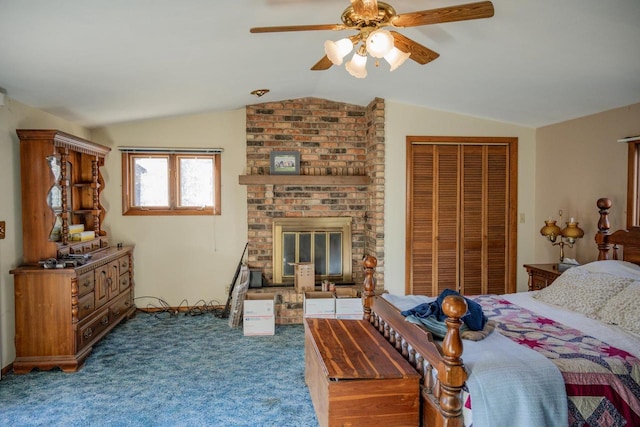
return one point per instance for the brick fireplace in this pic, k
(342, 157)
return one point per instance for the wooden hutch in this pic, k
(73, 287)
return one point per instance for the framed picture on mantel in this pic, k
(285, 163)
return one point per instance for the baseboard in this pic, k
(7, 369)
(178, 310)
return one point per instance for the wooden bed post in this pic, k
(369, 287)
(454, 375)
(604, 246)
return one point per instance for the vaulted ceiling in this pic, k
(98, 62)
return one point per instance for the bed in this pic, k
(550, 364)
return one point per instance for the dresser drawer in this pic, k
(80, 248)
(125, 281)
(86, 304)
(120, 306)
(124, 264)
(86, 283)
(95, 245)
(92, 330)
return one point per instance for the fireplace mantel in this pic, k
(304, 180)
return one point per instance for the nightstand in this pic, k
(541, 275)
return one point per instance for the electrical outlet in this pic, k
(2, 229)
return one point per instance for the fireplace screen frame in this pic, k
(312, 225)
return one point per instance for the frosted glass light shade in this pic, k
(396, 58)
(379, 43)
(336, 51)
(357, 67)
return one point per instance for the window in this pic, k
(633, 183)
(157, 182)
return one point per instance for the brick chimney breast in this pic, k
(332, 138)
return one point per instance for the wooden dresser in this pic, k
(62, 313)
(356, 378)
(87, 288)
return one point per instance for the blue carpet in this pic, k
(170, 371)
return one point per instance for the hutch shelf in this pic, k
(63, 310)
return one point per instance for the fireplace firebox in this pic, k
(323, 241)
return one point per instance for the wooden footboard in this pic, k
(441, 400)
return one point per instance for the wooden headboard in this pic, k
(609, 243)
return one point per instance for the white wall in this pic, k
(579, 161)
(403, 120)
(181, 259)
(193, 258)
(14, 115)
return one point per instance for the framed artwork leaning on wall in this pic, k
(285, 163)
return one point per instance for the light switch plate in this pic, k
(2, 229)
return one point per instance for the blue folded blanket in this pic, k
(474, 318)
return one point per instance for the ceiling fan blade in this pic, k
(368, 9)
(297, 28)
(462, 12)
(324, 64)
(419, 53)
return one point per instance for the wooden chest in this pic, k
(356, 378)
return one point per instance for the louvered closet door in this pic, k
(460, 220)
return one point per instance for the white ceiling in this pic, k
(98, 62)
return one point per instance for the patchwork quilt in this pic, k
(602, 382)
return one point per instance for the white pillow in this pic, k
(618, 268)
(622, 309)
(582, 291)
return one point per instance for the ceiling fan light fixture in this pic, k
(396, 58)
(379, 43)
(357, 67)
(336, 51)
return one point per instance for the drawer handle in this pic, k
(109, 281)
(125, 265)
(87, 306)
(87, 333)
(105, 320)
(86, 284)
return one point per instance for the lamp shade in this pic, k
(572, 232)
(396, 57)
(336, 51)
(551, 230)
(379, 43)
(357, 66)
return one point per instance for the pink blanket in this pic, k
(602, 382)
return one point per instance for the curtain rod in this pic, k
(630, 139)
(170, 150)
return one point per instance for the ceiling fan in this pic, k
(370, 18)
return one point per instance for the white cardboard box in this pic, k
(258, 314)
(349, 308)
(319, 304)
(348, 304)
(259, 325)
(259, 304)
